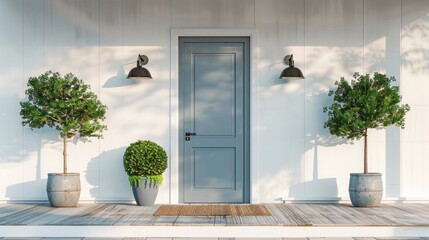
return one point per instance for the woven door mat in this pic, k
(213, 210)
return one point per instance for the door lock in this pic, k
(188, 136)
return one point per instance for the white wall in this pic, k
(297, 159)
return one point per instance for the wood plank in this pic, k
(67, 215)
(388, 215)
(145, 216)
(408, 218)
(83, 218)
(195, 220)
(377, 216)
(336, 238)
(137, 215)
(159, 238)
(314, 217)
(419, 212)
(280, 216)
(58, 214)
(242, 220)
(337, 216)
(263, 220)
(220, 221)
(22, 217)
(164, 220)
(295, 238)
(300, 219)
(109, 215)
(8, 209)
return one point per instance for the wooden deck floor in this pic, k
(282, 215)
(118, 221)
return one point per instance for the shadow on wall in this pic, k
(317, 136)
(120, 80)
(109, 166)
(37, 187)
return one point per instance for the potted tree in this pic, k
(368, 102)
(66, 104)
(145, 162)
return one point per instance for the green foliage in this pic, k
(64, 103)
(368, 102)
(145, 159)
(152, 181)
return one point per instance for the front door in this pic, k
(214, 120)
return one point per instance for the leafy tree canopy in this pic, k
(368, 102)
(64, 103)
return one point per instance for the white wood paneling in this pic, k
(11, 16)
(147, 101)
(333, 49)
(414, 87)
(86, 152)
(295, 156)
(415, 51)
(415, 153)
(58, 56)
(281, 103)
(334, 15)
(113, 180)
(33, 182)
(213, 14)
(382, 54)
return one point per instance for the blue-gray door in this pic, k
(214, 119)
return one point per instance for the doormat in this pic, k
(213, 210)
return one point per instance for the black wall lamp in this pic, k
(139, 72)
(291, 72)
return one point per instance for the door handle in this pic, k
(188, 134)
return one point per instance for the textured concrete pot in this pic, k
(145, 195)
(63, 189)
(366, 190)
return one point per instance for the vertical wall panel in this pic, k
(33, 182)
(113, 180)
(11, 92)
(280, 26)
(85, 154)
(213, 14)
(147, 99)
(415, 86)
(333, 49)
(298, 159)
(382, 54)
(59, 56)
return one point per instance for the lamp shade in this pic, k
(139, 73)
(291, 73)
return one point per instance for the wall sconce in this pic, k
(139, 72)
(291, 72)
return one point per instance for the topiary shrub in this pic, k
(368, 102)
(64, 103)
(145, 159)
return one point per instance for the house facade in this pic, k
(286, 153)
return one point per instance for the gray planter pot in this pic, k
(63, 189)
(145, 195)
(366, 190)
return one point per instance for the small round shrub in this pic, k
(145, 159)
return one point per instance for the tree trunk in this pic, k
(365, 159)
(65, 154)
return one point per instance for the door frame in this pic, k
(174, 172)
